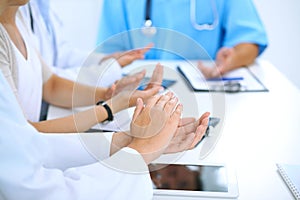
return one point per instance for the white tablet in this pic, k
(194, 180)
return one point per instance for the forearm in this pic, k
(78, 122)
(244, 55)
(65, 93)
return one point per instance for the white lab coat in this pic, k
(60, 54)
(60, 166)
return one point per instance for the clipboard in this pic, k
(248, 83)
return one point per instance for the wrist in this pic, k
(144, 155)
(148, 154)
(116, 103)
(119, 141)
(104, 112)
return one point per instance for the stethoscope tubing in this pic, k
(205, 26)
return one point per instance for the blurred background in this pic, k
(281, 20)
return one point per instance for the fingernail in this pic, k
(173, 100)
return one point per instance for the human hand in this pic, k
(151, 118)
(128, 96)
(129, 82)
(152, 137)
(127, 57)
(188, 134)
(222, 63)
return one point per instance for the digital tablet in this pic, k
(194, 180)
(166, 83)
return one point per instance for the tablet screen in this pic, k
(189, 177)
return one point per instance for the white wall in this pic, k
(281, 19)
(282, 22)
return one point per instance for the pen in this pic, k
(226, 79)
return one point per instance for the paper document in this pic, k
(239, 80)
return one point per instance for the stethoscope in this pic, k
(229, 87)
(148, 29)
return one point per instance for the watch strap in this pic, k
(110, 116)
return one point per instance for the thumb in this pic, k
(138, 109)
(110, 91)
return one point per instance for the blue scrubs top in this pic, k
(238, 23)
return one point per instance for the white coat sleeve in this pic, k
(23, 171)
(71, 150)
(22, 151)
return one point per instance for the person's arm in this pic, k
(126, 97)
(65, 93)
(229, 59)
(238, 50)
(60, 92)
(241, 55)
(24, 168)
(119, 141)
(8, 70)
(78, 122)
(81, 149)
(100, 180)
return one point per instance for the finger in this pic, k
(151, 100)
(157, 76)
(199, 135)
(200, 65)
(141, 74)
(175, 117)
(110, 91)
(188, 141)
(131, 82)
(143, 50)
(189, 128)
(138, 109)
(170, 105)
(147, 48)
(146, 94)
(136, 77)
(203, 69)
(205, 121)
(164, 99)
(186, 120)
(204, 115)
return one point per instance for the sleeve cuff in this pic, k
(111, 73)
(127, 160)
(97, 144)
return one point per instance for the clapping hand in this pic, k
(153, 135)
(127, 57)
(188, 134)
(124, 93)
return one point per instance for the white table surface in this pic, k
(259, 130)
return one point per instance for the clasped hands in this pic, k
(157, 127)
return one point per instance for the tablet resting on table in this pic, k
(194, 180)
